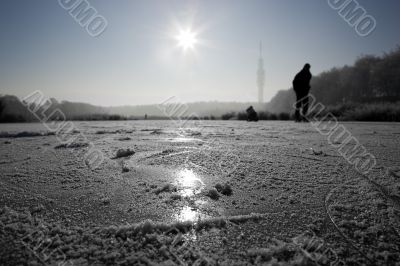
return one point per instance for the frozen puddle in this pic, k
(189, 184)
(158, 193)
(190, 187)
(190, 214)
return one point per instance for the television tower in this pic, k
(260, 77)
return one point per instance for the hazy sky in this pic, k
(137, 61)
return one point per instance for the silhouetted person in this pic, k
(252, 115)
(301, 86)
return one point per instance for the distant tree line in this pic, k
(368, 91)
(15, 111)
(12, 110)
(372, 79)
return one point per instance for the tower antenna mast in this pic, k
(260, 76)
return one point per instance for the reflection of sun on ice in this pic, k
(189, 185)
(187, 214)
(187, 177)
(186, 39)
(190, 182)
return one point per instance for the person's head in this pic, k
(307, 66)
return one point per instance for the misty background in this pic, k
(136, 63)
(136, 60)
(368, 90)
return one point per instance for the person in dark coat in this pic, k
(252, 115)
(301, 86)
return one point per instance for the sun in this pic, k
(186, 39)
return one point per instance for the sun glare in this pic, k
(190, 183)
(186, 39)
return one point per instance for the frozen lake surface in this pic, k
(266, 180)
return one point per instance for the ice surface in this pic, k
(271, 178)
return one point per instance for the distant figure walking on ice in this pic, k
(301, 86)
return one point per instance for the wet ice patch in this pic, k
(189, 182)
(190, 214)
